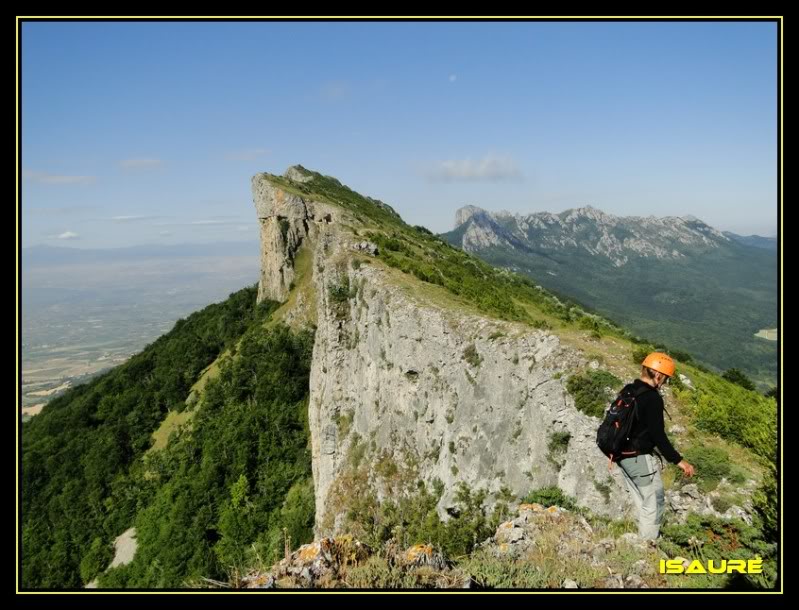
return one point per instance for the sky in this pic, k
(139, 133)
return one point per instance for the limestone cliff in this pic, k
(410, 375)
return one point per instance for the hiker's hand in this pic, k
(687, 469)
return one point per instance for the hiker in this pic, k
(641, 469)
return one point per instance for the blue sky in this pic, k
(139, 133)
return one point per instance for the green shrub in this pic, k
(559, 442)
(550, 496)
(471, 356)
(711, 463)
(588, 391)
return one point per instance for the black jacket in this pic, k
(648, 431)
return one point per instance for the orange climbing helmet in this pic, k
(660, 362)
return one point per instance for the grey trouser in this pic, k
(642, 473)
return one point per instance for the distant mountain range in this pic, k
(674, 280)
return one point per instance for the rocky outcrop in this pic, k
(688, 500)
(465, 213)
(286, 220)
(469, 399)
(539, 547)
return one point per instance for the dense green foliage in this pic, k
(196, 504)
(76, 454)
(226, 490)
(734, 413)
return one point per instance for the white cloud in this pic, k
(490, 168)
(140, 163)
(45, 178)
(66, 235)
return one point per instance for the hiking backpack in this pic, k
(613, 436)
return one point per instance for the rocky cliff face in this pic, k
(286, 220)
(469, 399)
(408, 375)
